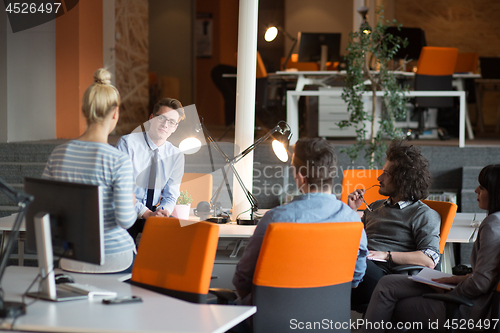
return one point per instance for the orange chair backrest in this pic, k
(176, 257)
(437, 60)
(354, 179)
(300, 66)
(261, 69)
(447, 211)
(467, 62)
(198, 185)
(307, 255)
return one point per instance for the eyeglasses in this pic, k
(170, 122)
(363, 197)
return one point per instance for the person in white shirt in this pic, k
(158, 165)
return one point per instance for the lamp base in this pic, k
(247, 221)
(218, 219)
(12, 309)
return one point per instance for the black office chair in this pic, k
(227, 87)
(434, 72)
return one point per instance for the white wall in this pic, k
(171, 48)
(28, 107)
(3, 76)
(318, 16)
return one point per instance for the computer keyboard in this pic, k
(86, 289)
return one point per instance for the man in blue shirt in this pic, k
(314, 165)
(157, 164)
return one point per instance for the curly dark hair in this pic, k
(315, 159)
(489, 178)
(409, 172)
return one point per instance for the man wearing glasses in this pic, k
(401, 230)
(158, 165)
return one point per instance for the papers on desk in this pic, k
(426, 275)
(86, 289)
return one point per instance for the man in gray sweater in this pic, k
(401, 230)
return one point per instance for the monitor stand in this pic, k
(324, 57)
(48, 289)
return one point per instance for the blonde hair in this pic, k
(100, 98)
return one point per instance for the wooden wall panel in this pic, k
(132, 65)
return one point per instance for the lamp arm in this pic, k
(289, 53)
(23, 201)
(214, 143)
(250, 197)
(216, 195)
(277, 128)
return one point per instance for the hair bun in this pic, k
(102, 76)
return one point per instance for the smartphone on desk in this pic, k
(122, 300)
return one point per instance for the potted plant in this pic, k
(372, 48)
(183, 205)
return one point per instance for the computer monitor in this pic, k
(65, 219)
(310, 44)
(416, 40)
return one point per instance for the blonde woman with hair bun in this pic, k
(89, 159)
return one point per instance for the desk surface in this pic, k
(343, 73)
(157, 313)
(461, 231)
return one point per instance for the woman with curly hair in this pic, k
(401, 230)
(396, 299)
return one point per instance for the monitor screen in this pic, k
(76, 218)
(310, 46)
(416, 40)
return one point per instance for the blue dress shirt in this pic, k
(306, 208)
(170, 170)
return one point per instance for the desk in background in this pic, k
(292, 107)
(319, 77)
(157, 313)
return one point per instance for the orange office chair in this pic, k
(176, 260)
(435, 69)
(467, 62)
(361, 179)
(304, 272)
(198, 185)
(447, 211)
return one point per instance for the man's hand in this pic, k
(355, 199)
(161, 213)
(377, 255)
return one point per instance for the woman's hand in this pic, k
(455, 279)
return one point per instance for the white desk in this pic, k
(292, 107)
(318, 77)
(157, 313)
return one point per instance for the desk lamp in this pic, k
(280, 148)
(12, 309)
(272, 33)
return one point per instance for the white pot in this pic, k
(181, 211)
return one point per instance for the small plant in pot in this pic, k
(181, 210)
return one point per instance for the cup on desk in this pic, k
(202, 210)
